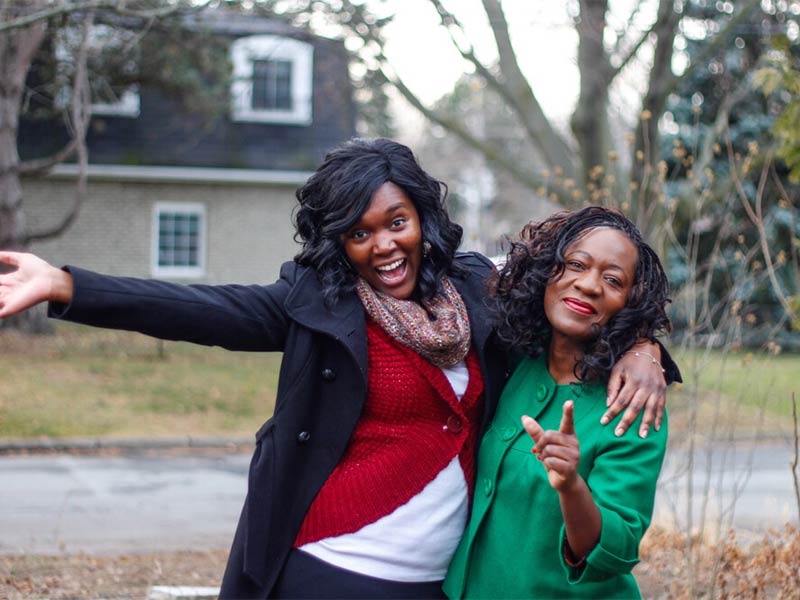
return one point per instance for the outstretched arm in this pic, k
(30, 281)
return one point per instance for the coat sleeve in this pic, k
(623, 481)
(672, 373)
(236, 317)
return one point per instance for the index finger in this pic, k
(568, 418)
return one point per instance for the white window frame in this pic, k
(246, 50)
(128, 104)
(192, 208)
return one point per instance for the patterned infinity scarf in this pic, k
(443, 341)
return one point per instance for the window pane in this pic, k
(283, 85)
(272, 85)
(178, 239)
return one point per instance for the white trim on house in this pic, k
(245, 51)
(128, 105)
(183, 272)
(182, 174)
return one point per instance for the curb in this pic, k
(123, 445)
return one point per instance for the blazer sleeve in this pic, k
(672, 374)
(236, 317)
(623, 481)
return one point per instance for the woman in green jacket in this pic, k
(575, 294)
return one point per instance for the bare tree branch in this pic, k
(547, 140)
(490, 152)
(118, 6)
(79, 120)
(796, 452)
(39, 166)
(757, 219)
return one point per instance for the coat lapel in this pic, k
(344, 321)
(473, 290)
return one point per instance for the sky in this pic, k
(542, 33)
(425, 58)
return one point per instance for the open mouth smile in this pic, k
(393, 271)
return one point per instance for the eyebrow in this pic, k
(583, 253)
(394, 207)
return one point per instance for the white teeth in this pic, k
(390, 266)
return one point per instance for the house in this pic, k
(173, 196)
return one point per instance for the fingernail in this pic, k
(643, 433)
(608, 400)
(619, 431)
(535, 450)
(658, 427)
(604, 420)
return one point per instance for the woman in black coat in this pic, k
(376, 315)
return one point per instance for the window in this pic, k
(272, 80)
(112, 56)
(179, 243)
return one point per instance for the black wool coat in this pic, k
(321, 389)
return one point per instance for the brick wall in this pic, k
(249, 231)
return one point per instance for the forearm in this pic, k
(582, 520)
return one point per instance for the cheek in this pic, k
(616, 305)
(355, 255)
(550, 300)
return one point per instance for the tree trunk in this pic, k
(644, 170)
(589, 122)
(17, 49)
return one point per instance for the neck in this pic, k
(562, 356)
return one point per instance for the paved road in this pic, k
(749, 486)
(56, 503)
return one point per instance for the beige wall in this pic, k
(249, 231)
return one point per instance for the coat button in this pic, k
(487, 487)
(509, 433)
(303, 437)
(454, 424)
(541, 393)
(328, 374)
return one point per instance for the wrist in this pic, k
(653, 358)
(60, 286)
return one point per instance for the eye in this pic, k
(358, 234)
(398, 222)
(614, 281)
(574, 264)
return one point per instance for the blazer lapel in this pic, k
(473, 290)
(344, 321)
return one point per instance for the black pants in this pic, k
(306, 576)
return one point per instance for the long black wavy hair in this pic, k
(335, 197)
(537, 259)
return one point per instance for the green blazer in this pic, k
(512, 547)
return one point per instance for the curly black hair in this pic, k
(538, 259)
(340, 190)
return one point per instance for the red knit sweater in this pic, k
(412, 426)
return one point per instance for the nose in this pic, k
(589, 282)
(384, 243)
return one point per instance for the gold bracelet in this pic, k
(648, 355)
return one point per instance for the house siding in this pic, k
(249, 231)
(165, 134)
